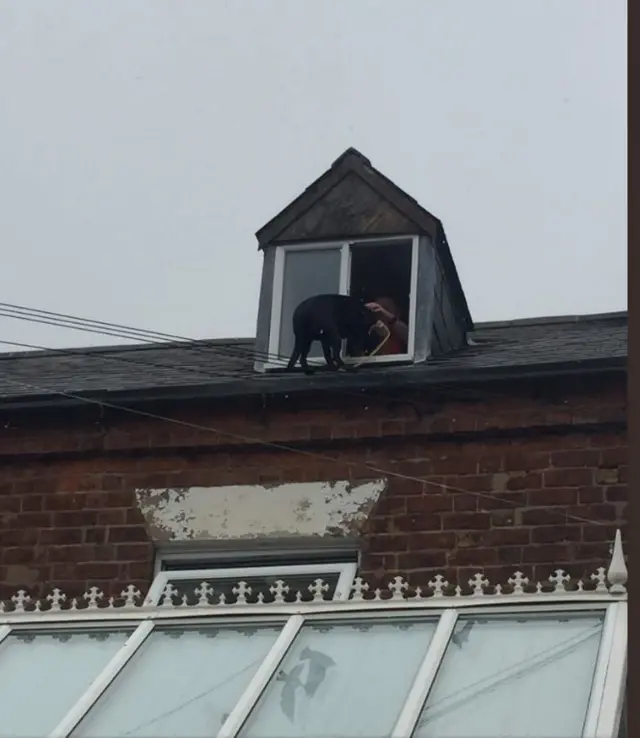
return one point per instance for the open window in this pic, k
(383, 271)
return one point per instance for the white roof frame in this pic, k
(607, 593)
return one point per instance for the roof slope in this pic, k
(225, 366)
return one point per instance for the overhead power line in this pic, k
(117, 330)
(200, 348)
(293, 450)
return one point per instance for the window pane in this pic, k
(260, 585)
(342, 680)
(512, 677)
(182, 682)
(42, 675)
(306, 273)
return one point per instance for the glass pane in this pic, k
(306, 273)
(342, 680)
(513, 677)
(184, 681)
(42, 675)
(260, 585)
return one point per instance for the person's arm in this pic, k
(397, 328)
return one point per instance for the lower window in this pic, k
(252, 584)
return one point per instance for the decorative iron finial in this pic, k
(617, 574)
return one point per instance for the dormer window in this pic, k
(372, 270)
(354, 232)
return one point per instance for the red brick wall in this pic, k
(68, 517)
(538, 488)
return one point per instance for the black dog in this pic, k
(329, 319)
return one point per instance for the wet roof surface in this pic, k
(225, 364)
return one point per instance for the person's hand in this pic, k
(380, 311)
(380, 328)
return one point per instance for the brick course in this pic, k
(491, 484)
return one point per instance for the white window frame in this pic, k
(276, 360)
(346, 574)
(607, 688)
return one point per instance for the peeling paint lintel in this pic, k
(246, 513)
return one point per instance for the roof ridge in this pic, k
(121, 348)
(552, 319)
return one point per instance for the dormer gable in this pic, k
(353, 231)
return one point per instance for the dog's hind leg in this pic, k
(305, 347)
(326, 350)
(295, 354)
(334, 344)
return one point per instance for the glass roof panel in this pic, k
(488, 673)
(514, 676)
(44, 673)
(333, 669)
(183, 681)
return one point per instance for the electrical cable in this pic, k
(100, 355)
(188, 345)
(48, 317)
(290, 449)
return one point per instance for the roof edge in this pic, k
(291, 384)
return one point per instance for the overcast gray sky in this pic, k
(143, 142)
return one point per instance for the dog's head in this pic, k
(360, 319)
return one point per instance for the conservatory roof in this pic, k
(399, 662)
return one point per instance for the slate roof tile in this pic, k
(142, 367)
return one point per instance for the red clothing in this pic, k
(393, 345)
